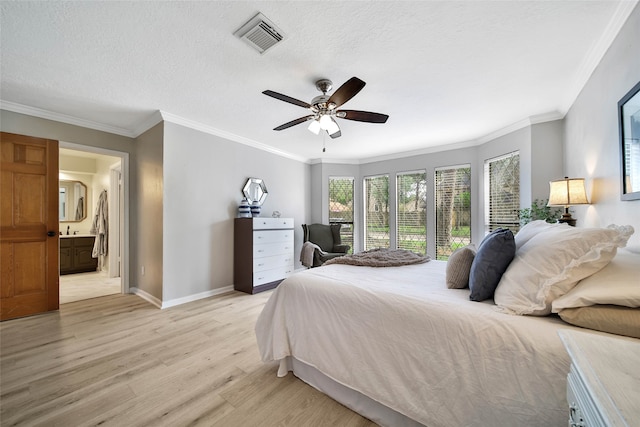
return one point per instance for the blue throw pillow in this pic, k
(492, 259)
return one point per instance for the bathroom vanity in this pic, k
(75, 254)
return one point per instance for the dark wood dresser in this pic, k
(262, 253)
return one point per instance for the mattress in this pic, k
(398, 336)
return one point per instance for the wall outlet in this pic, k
(142, 270)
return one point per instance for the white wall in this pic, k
(592, 146)
(203, 180)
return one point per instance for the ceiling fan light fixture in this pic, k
(325, 121)
(332, 127)
(314, 126)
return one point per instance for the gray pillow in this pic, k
(494, 255)
(459, 266)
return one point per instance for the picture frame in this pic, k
(629, 130)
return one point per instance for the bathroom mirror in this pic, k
(72, 201)
(255, 190)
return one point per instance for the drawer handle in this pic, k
(260, 250)
(573, 408)
(260, 265)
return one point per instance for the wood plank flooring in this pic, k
(119, 361)
(81, 286)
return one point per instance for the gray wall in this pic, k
(537, 144)
(203, 179)
(147, 216)
(592, 146)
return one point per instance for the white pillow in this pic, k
(534, 228)
(551, 263)
(617, 284)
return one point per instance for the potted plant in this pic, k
(539, 210)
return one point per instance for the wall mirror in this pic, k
(629, 116)
(255, 190)
(72, 201)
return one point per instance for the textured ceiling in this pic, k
(444, 71)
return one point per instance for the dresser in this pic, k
(75, 254)
(603, 384)
(263, 253)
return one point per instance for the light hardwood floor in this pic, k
(119, 361)
(80, 286)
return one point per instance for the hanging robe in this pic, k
(100, 226)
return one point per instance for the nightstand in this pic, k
(603, 385)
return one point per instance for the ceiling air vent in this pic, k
(260, 33)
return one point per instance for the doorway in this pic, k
(104, 173)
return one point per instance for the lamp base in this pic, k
(567, 219)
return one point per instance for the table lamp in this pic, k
(567, 192)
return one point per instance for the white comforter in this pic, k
(399, 336)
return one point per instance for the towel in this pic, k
(306, 254)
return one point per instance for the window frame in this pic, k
(365, 210)
(515, 205)
(398, 212)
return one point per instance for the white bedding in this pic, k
(399, 336)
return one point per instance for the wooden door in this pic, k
(28, 226)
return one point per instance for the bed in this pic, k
(399, 347)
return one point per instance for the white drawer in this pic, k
(582, 409)
(269, 249)
(272, 275)
(272, 236)
(272, 223)
(270, 262)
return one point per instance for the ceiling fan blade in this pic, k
(294, 122)
(347, 91)
(286, 98)
(362, 116)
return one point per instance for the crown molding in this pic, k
(529, 121)
(192, 124)
(63, 118)
(148, 123)
(159, 116)
(597, 51)
(155, 118)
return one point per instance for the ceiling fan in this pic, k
(324, 107)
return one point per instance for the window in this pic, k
(502, 192)
(341, 207)
(376, 212)
(453, 209)
(411, 211)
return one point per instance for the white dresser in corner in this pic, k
(603, 385)
(263, 253)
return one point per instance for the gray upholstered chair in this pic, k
(327, 237)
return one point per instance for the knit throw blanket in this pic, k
(381, 258)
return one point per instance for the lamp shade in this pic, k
(567, 192)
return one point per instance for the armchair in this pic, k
(328, 242)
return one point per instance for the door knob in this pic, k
(51, 233)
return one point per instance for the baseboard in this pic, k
(146, 296)
(179, 301)
(195, 297)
